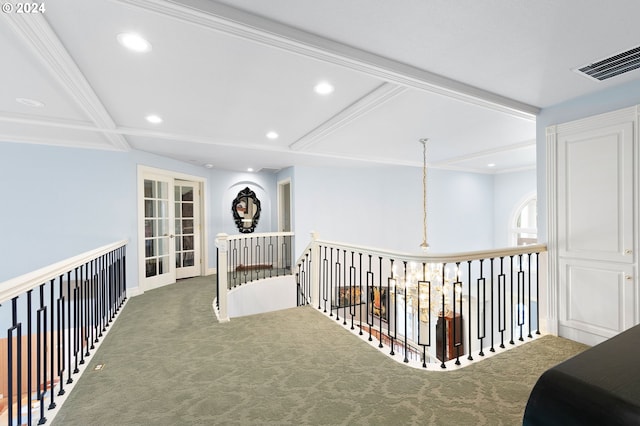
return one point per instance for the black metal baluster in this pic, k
(537, 293)
(325, 278)
(109, 289)
(444, 320)
(87, 306)
(61, 336)
(80, 303)
(268, 259)
(29, 364)
(470, 326)
(457, 330)
(103, 295)
(502, 303)
(529, 293)
(520, 298)
(52, 303)
(482, 325)
(492, 349)
(383, 312)
(336, 295)
(511, 314)
(41, 354)
(421, 288)
(369, 298)
(393, 336)
(232, 258)
(17, 395)
(76, 325)
(330, 295)
(69, 379)
(360, 293)
(94, 303)
(406, 325)
(344, 286)
(352, 291)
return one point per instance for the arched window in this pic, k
(524, 228)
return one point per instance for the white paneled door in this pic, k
(595, 229)
(170, 231)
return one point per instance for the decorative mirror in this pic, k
(246, 211)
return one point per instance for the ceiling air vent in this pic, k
(612, 66)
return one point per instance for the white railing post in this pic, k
(222, 245)
(314, 279)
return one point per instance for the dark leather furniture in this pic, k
(600, 386)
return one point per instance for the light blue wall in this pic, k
(225, 186)
(510, 190)
(60, 202)
(381, 207)
(619, 97)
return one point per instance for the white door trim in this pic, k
(281, 184)
(143, 171)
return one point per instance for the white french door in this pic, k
(170, 233)
(187, 228)
(158, 267)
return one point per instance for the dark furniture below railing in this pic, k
(600, 386)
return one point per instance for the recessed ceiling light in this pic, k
(135, 42)
(323, 88)
(30, 102)
(250, 169)
(154, 119)
(491, 165)
(209, 166)
(272, 135)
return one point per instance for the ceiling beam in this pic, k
(362, 106)
(34, 30)
(229, 20)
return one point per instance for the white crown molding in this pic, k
(488, 152)
(38, 35)
(35, 120)
(66, 143)
(232, 21)
(611, 118)
(362, 106)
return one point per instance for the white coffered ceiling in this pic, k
(468, 75)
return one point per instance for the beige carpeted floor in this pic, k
(167, 361)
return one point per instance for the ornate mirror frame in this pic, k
(246, 211)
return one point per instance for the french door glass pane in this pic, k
(187, 193)
(187, 242)
(149, 208)
(149, 189)
(156, 211)
(187, 209)
(184, 211)
(151, 269)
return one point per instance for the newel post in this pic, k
(222, 246)
(314, 281)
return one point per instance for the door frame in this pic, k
(282, 184)
(553, 135)
(147, 171)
